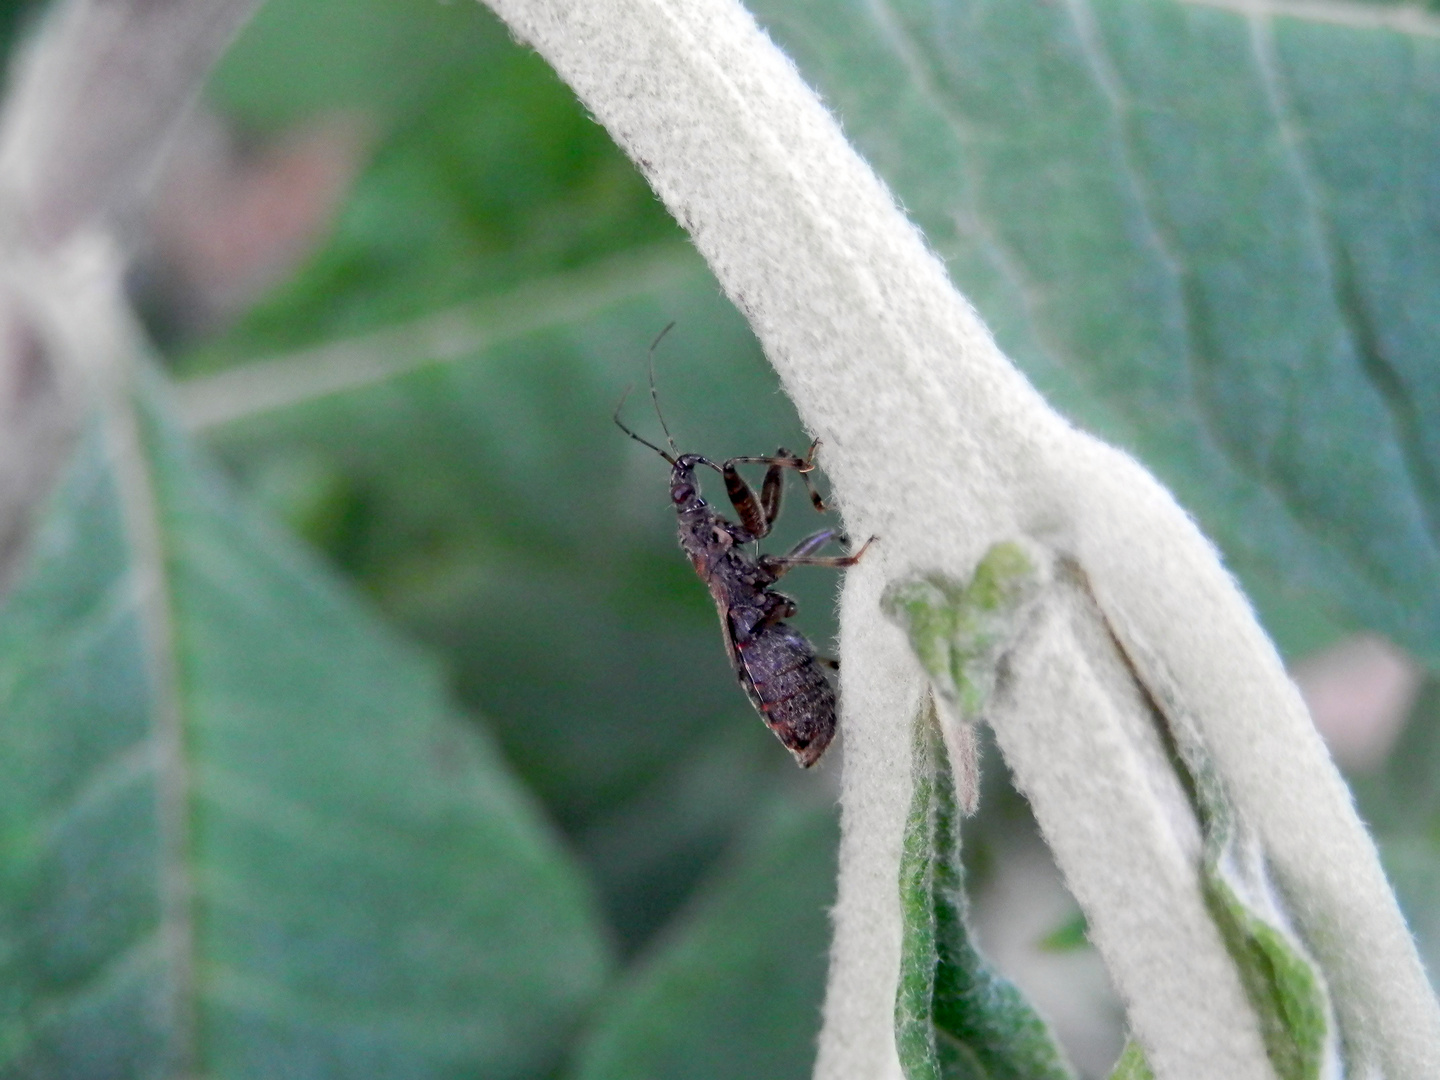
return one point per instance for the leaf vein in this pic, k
(142, 504)
(45, 1011)
(1410, 19)
(105, 780)
(968, 222)
(1423, 495)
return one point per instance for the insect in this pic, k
(774, 662)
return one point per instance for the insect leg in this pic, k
(779, 564)
(814, 543)
(783, 459)
(759, 515)
(751, 508)
(805, 472)
(773, 487)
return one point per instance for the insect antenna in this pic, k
(654, 397)
(637, 438)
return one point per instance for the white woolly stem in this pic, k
(1079, 737)
(937, 445)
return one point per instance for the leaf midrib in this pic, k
(140, 507)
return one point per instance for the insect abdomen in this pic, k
(790, 690)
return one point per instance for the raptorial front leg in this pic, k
(753, 513)
(758, 513)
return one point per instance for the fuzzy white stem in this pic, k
(1079, 736)
(938, 446)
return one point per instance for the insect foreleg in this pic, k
(755, 512)
(805, 472)
(758, 515)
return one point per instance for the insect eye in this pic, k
(682, 494)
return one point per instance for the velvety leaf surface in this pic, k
(960, 634)
(735, 990)
(1211, 238)
(245, 833)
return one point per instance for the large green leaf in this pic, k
(385, 59)
(733, 989)
(1111, 186)
(245, 835)
(1212, 237)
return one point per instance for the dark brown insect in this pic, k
(774, 662)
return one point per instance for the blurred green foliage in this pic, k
(1214, 245)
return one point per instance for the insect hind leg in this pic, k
(800, 554)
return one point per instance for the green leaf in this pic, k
(954, 1017)
(384, 58)
(491, 176)
(960, 632)
(734, 988)
(1283, 983)
(246, 835)
(1208, 235)
(1132, 1064)
(487, 503)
